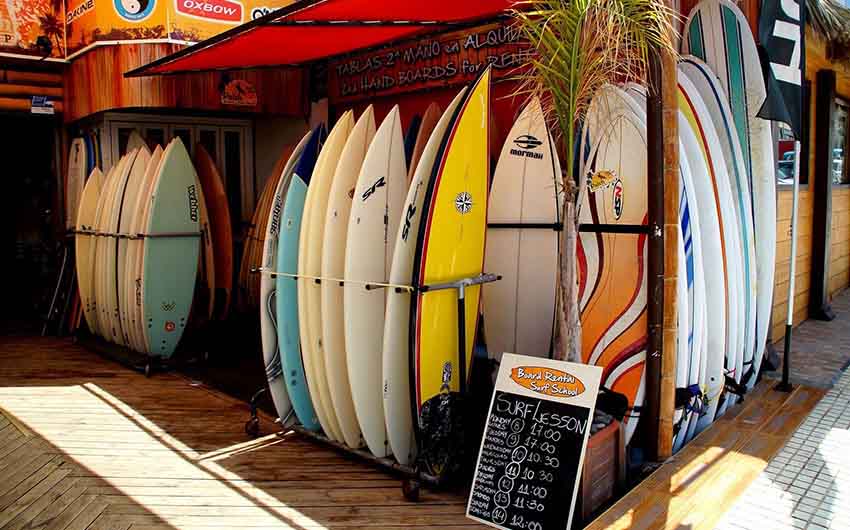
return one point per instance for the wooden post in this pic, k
(821, 185)
(662, 254)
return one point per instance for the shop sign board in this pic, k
(442, 60)
(89, 21)
(42, 105)
(239, 92)
(532, 451)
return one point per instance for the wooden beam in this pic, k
(15, 90)
(30, 78)
(670, 117)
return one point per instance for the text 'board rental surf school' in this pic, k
(346, 212)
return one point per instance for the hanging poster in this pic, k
(534, 443)
(22, 22)
(442, 60)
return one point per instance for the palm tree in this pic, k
(580, 46)
(53, 29)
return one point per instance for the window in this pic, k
(784, 147)
(839, 143)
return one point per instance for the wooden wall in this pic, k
(20, 82)
(839, 271)
(95, 83)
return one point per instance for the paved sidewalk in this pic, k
(820, 350)
(807, 484)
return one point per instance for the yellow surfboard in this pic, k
(450, 246)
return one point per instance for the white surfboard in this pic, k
(719, 33)
(702, 124)
(396, 343)
(86, 215)
(333, 266)
(133, 266)
(75, 181)
(310, 266)
(713, 273)
(522, 240)
(375, 214)
(135, 182)
(268, 288)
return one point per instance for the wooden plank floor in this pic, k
(694, 489)
(87, 444)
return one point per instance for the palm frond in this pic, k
(581, 45)
(832, 22)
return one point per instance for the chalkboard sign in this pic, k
(534, 442)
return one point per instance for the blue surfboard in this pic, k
(287, 290)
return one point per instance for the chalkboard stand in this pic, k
(413, 476)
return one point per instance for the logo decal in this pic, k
(411, 211)
(600, 180)
(170, 326)
(260, 11)
(380, 183)
(463, 202)
(168, 306)
(193, 203)
(618, 199)
(224, 11)
(134, 10)
(548, 381)
(77, 12)
(527, 143)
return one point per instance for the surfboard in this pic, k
(75, 180)
(310, 266)
(135, 182)
(695, 292)
(173, 261)
(333, 266)
(375, 213)
(109, 261)
(82, 245)
(700, 121)
(268, 290)
(96, 249)
(135, 142)
(708, 86)
(522, 240)
(140, 226)
(718, 33)
(396, 361)
(221, 232)
(450, 247)
(133, 268)
(710, 229)
(612, 267)
(423, 134)
(294, 372)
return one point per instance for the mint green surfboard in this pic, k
(171, 263)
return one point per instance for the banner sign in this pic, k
(534, 442)
(444, 60)
(88, 21)
(23, 21)
(42, 105)
(781, 36)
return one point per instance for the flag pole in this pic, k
(785, 385)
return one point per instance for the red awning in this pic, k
(316, 29)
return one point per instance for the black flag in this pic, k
(783, 50)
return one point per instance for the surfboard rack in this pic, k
(604, 228)
(124, 235)
(413, 475)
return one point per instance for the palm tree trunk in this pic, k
(568, 340)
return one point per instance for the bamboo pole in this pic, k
(669, 111)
